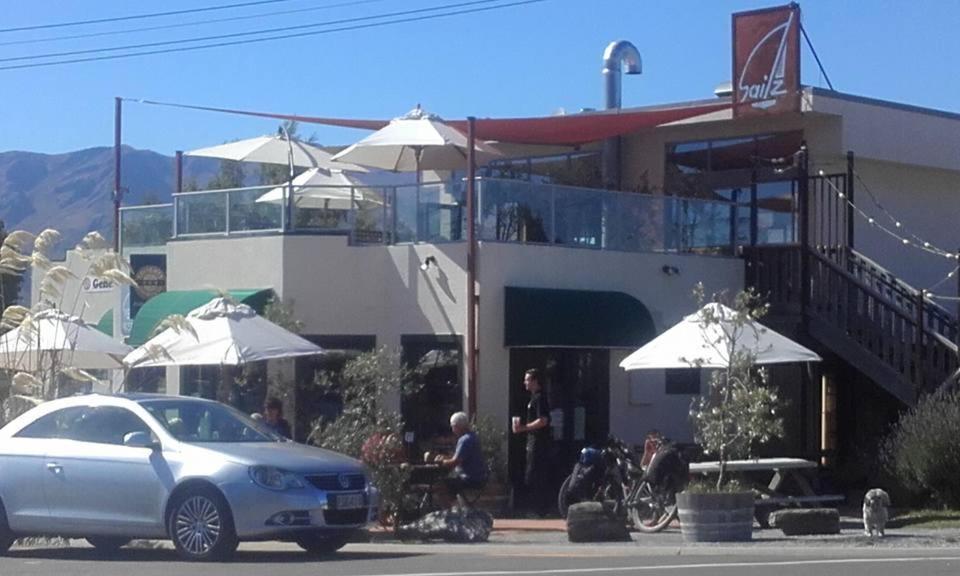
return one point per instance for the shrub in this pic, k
(365, 429)
(922, 450)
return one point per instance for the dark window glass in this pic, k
(57, 424)
(683, 381)
(438, 361)
(106, 425)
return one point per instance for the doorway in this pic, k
(577, 385)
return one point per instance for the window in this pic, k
(195, 421)
(438, 359)
(58, 424)
(683, 381)
(107, 425)
(99, 424)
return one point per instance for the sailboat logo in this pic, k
(764, 94)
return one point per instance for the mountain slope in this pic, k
(73, 192)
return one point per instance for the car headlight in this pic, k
(273, 478)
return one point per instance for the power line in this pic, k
(186, 24)
(139, 16)
(244, 34)
(271, 38)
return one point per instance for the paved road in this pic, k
(528, 555)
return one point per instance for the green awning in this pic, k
(105, 324)
(164, 304)
(540, 317)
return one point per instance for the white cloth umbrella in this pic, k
(223, 333)
(414, 142)
(274, 150)
(28, 348)
(688, 344)
(318, 189)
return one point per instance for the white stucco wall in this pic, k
(90, 303)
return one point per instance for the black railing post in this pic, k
(850, 200)
(918, 345)
(803, 193)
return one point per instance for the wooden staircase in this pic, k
(879, 325)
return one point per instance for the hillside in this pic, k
(72, 192)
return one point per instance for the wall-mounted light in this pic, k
(428, 262)
(670, 270)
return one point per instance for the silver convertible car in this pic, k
(114, 468)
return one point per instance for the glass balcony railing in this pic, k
(142, 226)
(507, 211)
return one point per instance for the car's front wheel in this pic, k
(108, 543)
(321, 546)
(201, 526)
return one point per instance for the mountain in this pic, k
(73, 192)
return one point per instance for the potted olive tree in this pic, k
(736, 413)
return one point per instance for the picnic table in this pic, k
(782, 473)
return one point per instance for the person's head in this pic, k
(272, 409)
(531, 380)
(460, 423)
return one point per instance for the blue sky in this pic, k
(528, 60)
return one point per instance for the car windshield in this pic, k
(207, 422)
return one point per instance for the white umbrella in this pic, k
(29, 347)
(221, 333)
(689, 343)
(414, 142)
(318, 189)
(275, 149)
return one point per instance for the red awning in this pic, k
(569, 130)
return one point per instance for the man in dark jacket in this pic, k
(536, 477)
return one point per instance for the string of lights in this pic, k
(907, 239)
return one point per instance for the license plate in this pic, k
(347, 501)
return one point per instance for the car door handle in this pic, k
(55, 468)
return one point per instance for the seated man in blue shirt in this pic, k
(468, 467)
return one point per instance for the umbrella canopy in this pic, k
(318, 189)
(221, 332)
(27, 348)
(414, 142)
(688, 344)
(274, 150)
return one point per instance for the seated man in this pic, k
(467, 464)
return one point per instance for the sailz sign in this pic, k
(766, 61)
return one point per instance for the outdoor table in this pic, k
(771, 495)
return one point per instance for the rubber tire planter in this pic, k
(207, 503)
(716, 516)
(596, 522)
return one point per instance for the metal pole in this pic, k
(803, 191)
(472, 348)
(850, 200)
(178, 172)
(117, 190)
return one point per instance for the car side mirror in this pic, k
(140, 440)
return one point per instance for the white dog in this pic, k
(875, 504)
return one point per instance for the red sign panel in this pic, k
(766, 61)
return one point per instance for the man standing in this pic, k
(536, 477)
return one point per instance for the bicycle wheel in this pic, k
(651, 511)
(563, 497)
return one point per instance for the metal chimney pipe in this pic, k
(617, 54)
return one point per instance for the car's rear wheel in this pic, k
(108, 543)
(6, 536)
(320, 545)
(201, 526)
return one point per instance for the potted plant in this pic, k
(737, 413)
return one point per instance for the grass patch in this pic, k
(926, 519)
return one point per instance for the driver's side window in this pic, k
(57, 424)
(107, 425)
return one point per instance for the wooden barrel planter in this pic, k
(716, 516)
